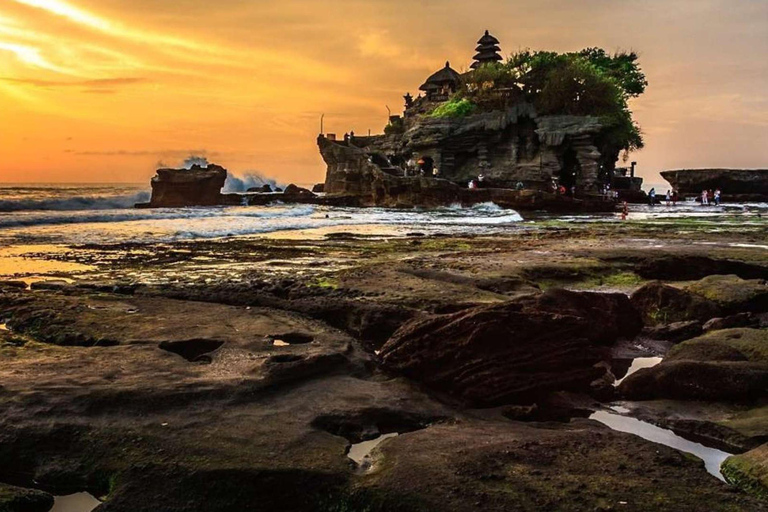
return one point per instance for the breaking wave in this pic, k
(23, 202)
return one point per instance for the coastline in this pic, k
(120, 362)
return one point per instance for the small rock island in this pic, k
(542, 130)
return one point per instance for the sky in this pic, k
(107, 90)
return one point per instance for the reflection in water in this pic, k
(638, 364)
(79, 502)
(30, 259)
(360, 452)
(712, 458)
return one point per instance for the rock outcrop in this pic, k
(714, 296)
(353, 178)
(196, 186)
(731, 364)
(735, 184)
(515, 351)
(749, 471)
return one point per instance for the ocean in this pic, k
(105, 214)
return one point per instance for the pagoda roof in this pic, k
(487, 56)
(488, 39)
(447, 75)
(487, 47)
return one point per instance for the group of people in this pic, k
(707, 197)
(479, 182)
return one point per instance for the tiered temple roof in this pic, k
(487, 51)
(445, 77)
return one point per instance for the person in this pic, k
(624, 211)
(573, 190)
(480, 179)
(561, 190)
(519, 185)
(669, 197)
(472, 184)
(704, 201)
(674, 197)
(652, 196)
(710, 196)
(717, 197)
(435, 172)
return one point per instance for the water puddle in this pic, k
(78, 502)
(712, 457)
(638, 364)
(361, 452)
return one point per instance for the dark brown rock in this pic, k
(749, 182)
(674, 332)
(731, 364)
(512, 352)
(18, 499)
(661, 304)
(745, 319)
(197, 186)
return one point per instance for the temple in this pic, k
(502, 145)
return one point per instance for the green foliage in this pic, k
(589, 82)
(455, 107)
(621, 67)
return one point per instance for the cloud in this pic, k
(96, 83)
(167, 153)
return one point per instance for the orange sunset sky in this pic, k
(103, 90)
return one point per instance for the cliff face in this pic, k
(741, 184)
(353, 178)
(198, 186)
(512, 148)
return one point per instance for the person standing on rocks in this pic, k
(704, 201)
(624, 211)
(717, 197)
(669, 197)
(652, 196)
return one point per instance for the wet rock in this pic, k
(661, 304)
(512, 352)
(318, 188)
(733, 294)
(13, 284)
(749, 471)
(196, 186)
(689, 268)
(51, 284)
(18, 499)
(674, 332)
(731, 364)
(745, 319)
(612, 315)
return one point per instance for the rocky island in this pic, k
(498, 133)
(737, 185)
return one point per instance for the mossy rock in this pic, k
(661, 304)
(749, 471)
(19, 499)
(726, 345)
(732, 293)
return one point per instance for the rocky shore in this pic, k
(155, 389)
(737, 185)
